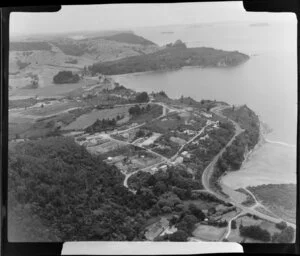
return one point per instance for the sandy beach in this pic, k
(268, 163)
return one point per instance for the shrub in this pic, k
(281, 225)
(233, 224)
(65, 77)
(166, 209)
(142, 97)
(285, 236)
(255, 232)
(178, 236)
(196, 211)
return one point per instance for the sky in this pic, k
(130, 16)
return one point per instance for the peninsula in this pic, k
(173, 56)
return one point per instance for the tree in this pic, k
(166, 209)
(187, 223)
(142, 97)
(181, 99)
(64, 77)
(233, 224)
(135, 110)
(163, 94)
(196, 211)
(285, 236)
(212, 210)
(281, 225)
(255, 232)
(179, 236)
(159, 188)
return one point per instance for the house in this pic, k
(154, 169)
(178, 160)
(216, 125)
(163, 167)
(206, 115)
(186, 154)
(189, 132)
(204, 137)
(208, 122)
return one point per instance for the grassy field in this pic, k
(105, 147)
(86, 120)
(279, 198)
(250, 200)
(51, 109)
(209, 233)
(171, 122)
(46, 87)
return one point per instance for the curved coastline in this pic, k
(280, 143)
(263, 140)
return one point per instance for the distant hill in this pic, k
(172, 57)
(129, 38)
(56, 51)
(29, 46)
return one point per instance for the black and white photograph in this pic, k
(152, 122)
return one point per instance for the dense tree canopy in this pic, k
(255, 232)
(72, 194)
(65, 77)
(142, 97)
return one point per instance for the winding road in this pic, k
(210, 169)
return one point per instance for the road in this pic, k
(210, 168)
(164, 159)
(164, 113)
(229, 224)
(188, 142)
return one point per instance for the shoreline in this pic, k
(248, 156)
(175, 69)
(261, 141)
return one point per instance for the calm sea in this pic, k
(267, 83)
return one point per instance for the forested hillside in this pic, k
(71, 194)
(170, 58)
(58, 191)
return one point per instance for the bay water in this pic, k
(267, 83)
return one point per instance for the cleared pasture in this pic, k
(88, 119)
(105, 147)
(209, 233)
